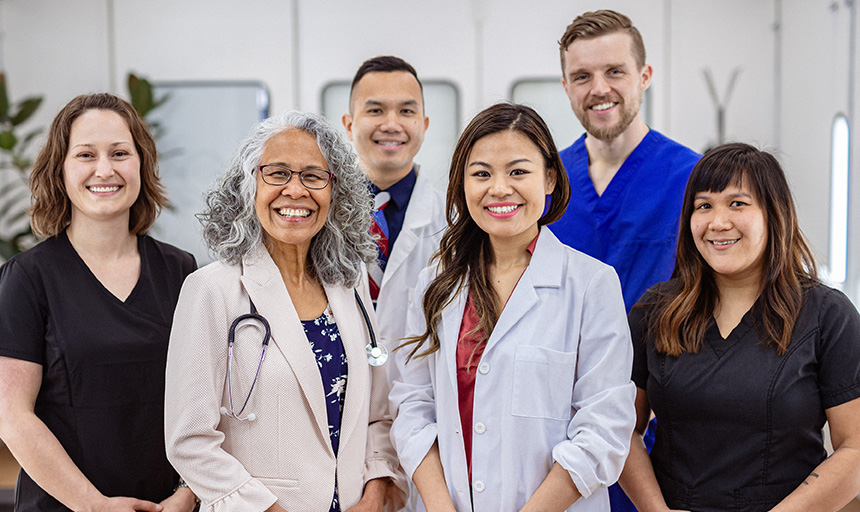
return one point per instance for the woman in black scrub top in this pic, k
(85, 319)
(743, 355)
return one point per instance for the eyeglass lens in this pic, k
(279, 175)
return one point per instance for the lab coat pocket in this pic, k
(543, 383)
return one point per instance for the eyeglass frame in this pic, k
(330, 174)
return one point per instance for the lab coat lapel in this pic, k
(452, 317)
(544, 270)
(264, 284)
(418, 215)
(353, 334)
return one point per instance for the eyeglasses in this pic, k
(277, 175)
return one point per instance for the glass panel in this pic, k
(200, 127)
(442, 106)
(839, 200)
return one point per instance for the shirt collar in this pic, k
(531, 246)
(400, 191)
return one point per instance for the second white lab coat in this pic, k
(553, 385)
(419, 238)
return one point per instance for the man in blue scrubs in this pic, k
(627, 180)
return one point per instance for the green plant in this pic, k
(15, 164)
(144, 101)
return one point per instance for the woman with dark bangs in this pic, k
(743, 355)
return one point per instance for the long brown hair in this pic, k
(685, 306)
(464, 253)
(52, 211)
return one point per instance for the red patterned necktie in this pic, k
(379, 231)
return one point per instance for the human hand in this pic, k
(275, 508)
(373, 498)
(123, 504)
(183, 500)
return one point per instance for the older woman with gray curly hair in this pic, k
(271, 403)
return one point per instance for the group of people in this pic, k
(364, 343)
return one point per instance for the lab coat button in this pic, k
(484, 368)
(480, 428)
(478, 486)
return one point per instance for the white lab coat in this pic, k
(419, 238)
(553, 385)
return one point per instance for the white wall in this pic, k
(59, 48)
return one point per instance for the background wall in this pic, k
(795, 59)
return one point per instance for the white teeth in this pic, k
(104, 189)
(502, 209)
(603, 106)
(294, 213)
(389, 143)
(727, 242)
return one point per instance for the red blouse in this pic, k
(470, 348)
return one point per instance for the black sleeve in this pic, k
(23, 315)
(839, 363)
(638, 333)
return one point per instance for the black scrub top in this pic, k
(738, 425)
(103, 360)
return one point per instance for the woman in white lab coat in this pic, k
(514, 391)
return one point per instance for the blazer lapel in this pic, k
(265, 286)
(353, 334)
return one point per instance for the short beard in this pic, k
(612, 132)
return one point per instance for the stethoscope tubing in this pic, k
(376, 355)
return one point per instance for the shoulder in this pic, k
(217, 274)
(425, 191)
(49, 254)
(570, 267)
(172, 257)
(828, 303)
(573, 152)
(673, 152)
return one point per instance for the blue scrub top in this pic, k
(633, 226)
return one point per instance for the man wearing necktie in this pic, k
(386, 122)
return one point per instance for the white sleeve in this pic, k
(603, 394)
(412, 396)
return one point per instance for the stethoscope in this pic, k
(376, 355)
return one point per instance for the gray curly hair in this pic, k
(231, 228)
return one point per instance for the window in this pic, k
(839, 166)
(441, 105)
(200, 127)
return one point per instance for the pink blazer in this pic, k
(285, 455)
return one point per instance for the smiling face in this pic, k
(505, 185)
(387, 124)
(730, 231)
(291, 214)
(101, 171)
(604, 84)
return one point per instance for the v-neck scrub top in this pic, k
(103, 360)
(633, 225)
(738, 425)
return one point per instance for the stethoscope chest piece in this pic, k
(377, 355)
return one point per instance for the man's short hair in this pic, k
(383, 64)
(595, 24)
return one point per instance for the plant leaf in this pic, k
(26, 108)
(7, 140)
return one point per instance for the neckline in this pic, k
(64, 238)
